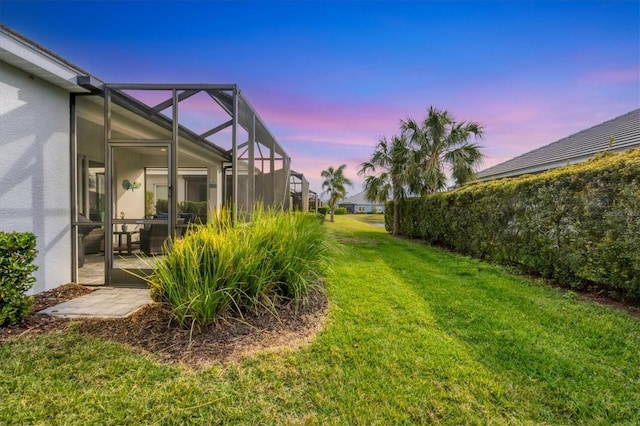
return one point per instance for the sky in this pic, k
(331, 78)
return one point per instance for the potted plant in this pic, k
(125, 227)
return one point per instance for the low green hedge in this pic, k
(340, 210)
(17, 253)
(320, 217)
(199, 208)
(578, 225)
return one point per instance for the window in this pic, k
(196, 188)
(161, 197)
(361, 209)
(91, 189)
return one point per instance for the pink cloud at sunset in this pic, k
(627, 75)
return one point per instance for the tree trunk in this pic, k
(396, 216)
(332, 210)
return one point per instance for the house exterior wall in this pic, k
(368, 208)
(35, 170)
(127, 166)
(362, 208)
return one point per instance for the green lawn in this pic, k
(369, 218)
(414, 335)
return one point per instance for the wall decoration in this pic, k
(127, 185)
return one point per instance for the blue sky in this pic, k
(331, 78)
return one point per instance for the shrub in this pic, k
(318, 216)
(198, 208)
(17, 253)
(340, 210)
(578, 225)
(162, 206)
(323, 210)
(241, 266)
(148, 204)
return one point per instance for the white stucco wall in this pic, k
(34, 170)
(129, 166)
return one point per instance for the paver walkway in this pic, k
(108, 302)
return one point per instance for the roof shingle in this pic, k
(573, 149)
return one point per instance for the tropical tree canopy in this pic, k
(334, 184)
(418, 160)
(390, 173)
(441, 143)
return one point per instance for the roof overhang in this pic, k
(35, 60)
(26, 55)
(299, 176)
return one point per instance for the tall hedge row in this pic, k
(577, 225)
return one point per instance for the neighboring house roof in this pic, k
(573, 149)
(358, 199)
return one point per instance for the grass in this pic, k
(373, 219)
(414, 335)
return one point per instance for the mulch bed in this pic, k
(151, 329)
(37, 323)
(631, 309)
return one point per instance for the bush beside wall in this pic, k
(578, 225)
(198, 208)
(17, 253)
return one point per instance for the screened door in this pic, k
(140, 199)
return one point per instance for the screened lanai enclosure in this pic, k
(300, 194)
(150, 159)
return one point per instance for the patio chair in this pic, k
(91, 239)
(152, 239)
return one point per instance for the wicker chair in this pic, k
(152, 239)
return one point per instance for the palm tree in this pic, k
(390, 174)
(335, 182)
(441, 143)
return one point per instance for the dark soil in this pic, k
(152, 330)
(632, 308)
(37, 323)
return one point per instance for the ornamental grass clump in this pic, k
(294, 248)
(244, 266)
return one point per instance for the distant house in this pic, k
(617, 135)
(359, 204)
